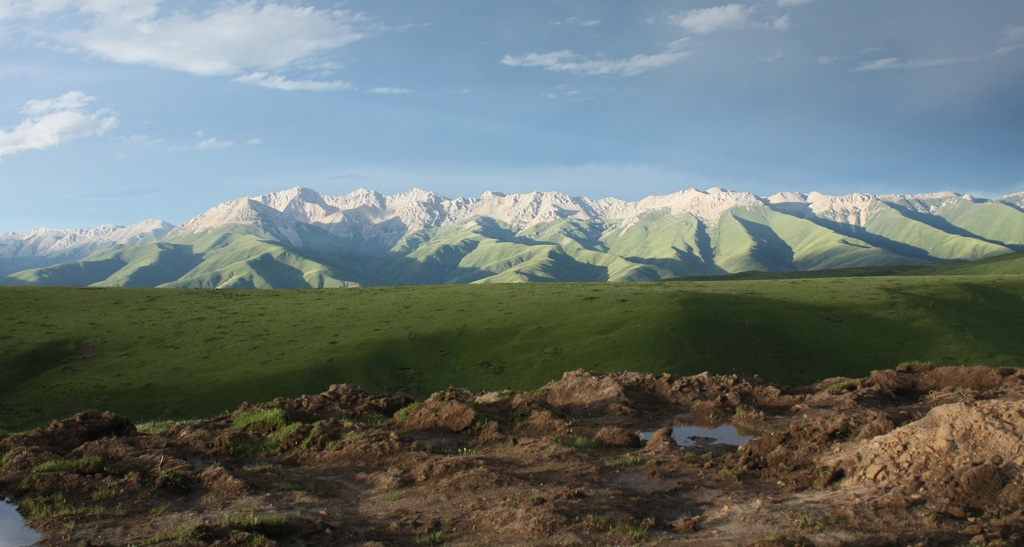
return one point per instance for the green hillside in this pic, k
(174, 353)
(1011, 264)
(896, 226)
(652, 246)
(236, 257)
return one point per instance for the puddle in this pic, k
(13, 530)
(695, 435)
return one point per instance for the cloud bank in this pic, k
(252, 41)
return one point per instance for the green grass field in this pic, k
(178, 353)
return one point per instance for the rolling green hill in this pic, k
(175, 353)
(1011, 264)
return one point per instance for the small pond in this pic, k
(14, 532)
(695, 435)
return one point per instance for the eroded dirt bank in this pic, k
(914, 456)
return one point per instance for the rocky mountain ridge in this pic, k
(417, 236)
(45, 246)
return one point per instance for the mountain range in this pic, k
(301, 238)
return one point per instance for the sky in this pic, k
(115, 111)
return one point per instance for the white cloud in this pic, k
(72, 100)
(229, 39)
(10, 9)
(389, 90)
(577, 21)
(51, 122)
(141, 140)
(826, 60)
(214, 144)
(1007, 49)
(206, 143)
(567, 61)
(708, 20)
(786, 3)
(895, 63)
(1013, 34)
(124, 9)
(564, 91)
(265, 79)
(727, 17)
(254, 141)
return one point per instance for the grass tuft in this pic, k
(623, 461)
(632, 532)
(842, 386)
(187, 531)
(267, 418)
(805, 519)
(80, 465)
(56, 505)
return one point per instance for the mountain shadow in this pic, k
(82, 273)
(940, 223)
(874, 240)
(769, 249)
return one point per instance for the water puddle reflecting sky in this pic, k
(13, 530)
(693, 435)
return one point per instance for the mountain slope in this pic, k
(300, 238)
(44, 246)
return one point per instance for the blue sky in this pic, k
(113, 111)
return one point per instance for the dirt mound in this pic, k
(966, 456)
(921, 455)
(583, 393)
(341, 401)
(616, 436)
(447, 411)
(923, 379)
(64, 435)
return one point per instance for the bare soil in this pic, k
(915, 456)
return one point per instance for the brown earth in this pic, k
(915, 456)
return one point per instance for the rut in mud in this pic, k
(920, 455)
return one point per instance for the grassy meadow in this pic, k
(179, 353)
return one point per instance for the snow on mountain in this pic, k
(367, 214)
(244, 211)
(364, 210)
(49, 241)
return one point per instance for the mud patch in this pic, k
(917, 456)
